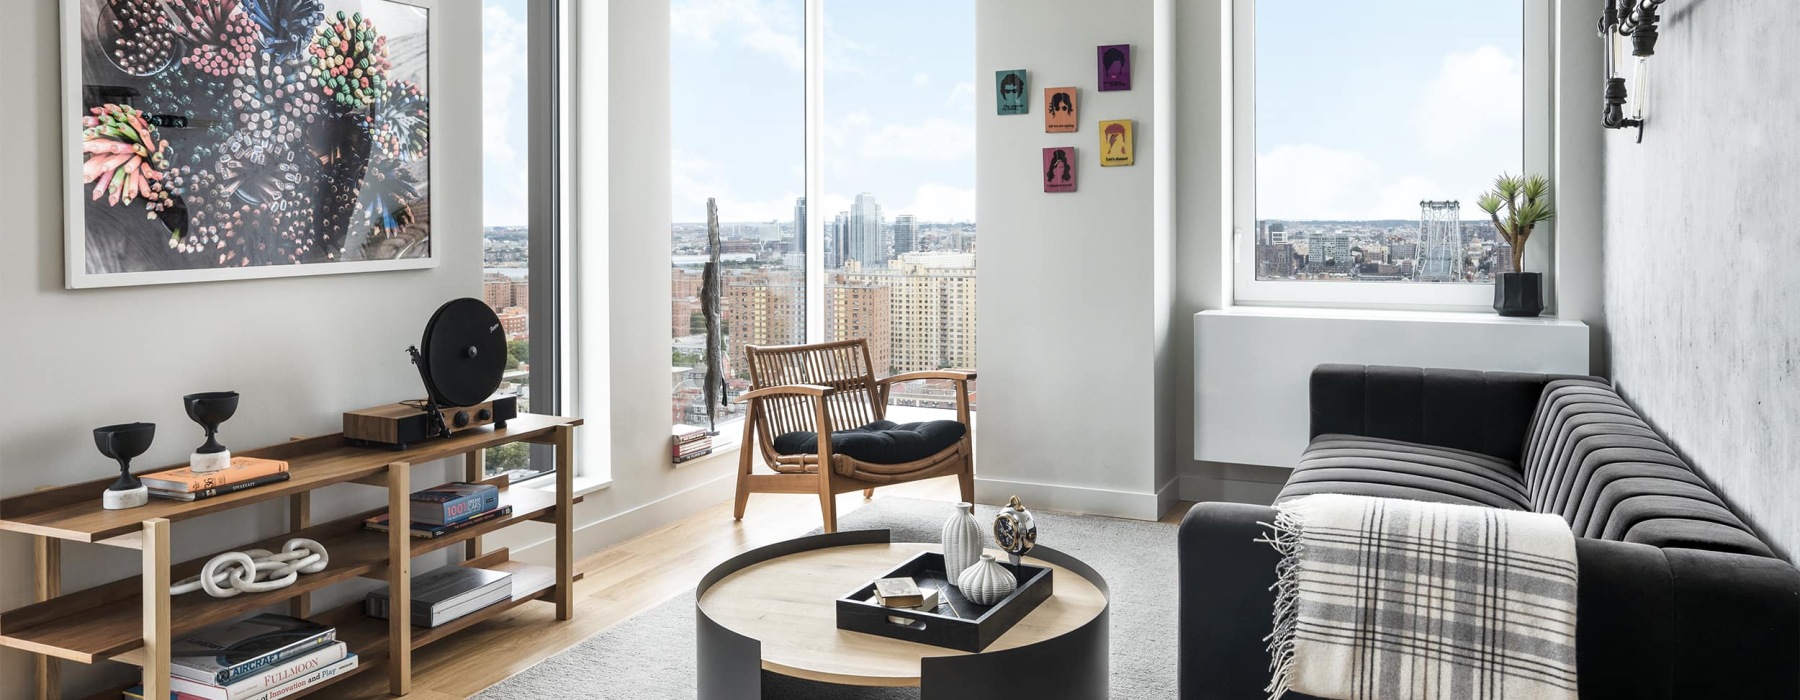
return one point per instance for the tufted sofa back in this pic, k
(1590, 458)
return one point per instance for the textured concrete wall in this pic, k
(1701, 290)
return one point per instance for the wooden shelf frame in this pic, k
(134, 620)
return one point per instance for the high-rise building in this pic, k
(1275, 260)
(1503, 258)
(501, 291)
(906, 234)
(799, 242)
(1440, 240)
(931, 314)
(1328, 253)
(837, 241)
(766, 307)
(861, 308)
(866, 232)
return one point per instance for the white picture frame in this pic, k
(78, 274)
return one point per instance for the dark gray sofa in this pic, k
(1678, 597)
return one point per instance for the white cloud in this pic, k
(765, 27)
(962, 97)
(506, 185)
(1304, 181)
(937, 202)
(695, 179)
(1473, 108)
(934, 139)
(921, 80)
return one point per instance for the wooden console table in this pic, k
(135, 620)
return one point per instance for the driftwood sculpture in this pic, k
(710, 294)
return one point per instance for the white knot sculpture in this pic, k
(256, 570)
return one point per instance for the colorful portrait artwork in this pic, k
(231, 139)
(1116, 147)
(1059, 169)
(1115, 67)
(1009, 92)
(1059, 110)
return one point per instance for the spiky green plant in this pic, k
(1526, 201)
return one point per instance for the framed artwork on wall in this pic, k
(1009, 92)
(1114, 64)
(1059, 110)
(1059, 169)
(236, 139)
(1117, 145)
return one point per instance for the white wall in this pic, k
(1700, 289)
(1071, 313)
(300, 350)
(1255, 365)
(1203, 185)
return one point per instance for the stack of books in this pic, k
(185, 484)
(445, 594)
(689, 442)
(265, 657)
(441, 510)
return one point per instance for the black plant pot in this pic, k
(1519, 294)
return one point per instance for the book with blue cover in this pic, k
(453, 503)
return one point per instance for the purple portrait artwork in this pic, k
(1115, 67)
(1059, 169)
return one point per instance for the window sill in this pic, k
(1476, 317)
(584, 485)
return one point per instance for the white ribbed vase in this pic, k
(986, 582)
(962, 541)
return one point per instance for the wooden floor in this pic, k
(621, 582)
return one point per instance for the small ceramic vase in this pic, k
(962, 541)
(987, 582)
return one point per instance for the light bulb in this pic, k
(1640, 88)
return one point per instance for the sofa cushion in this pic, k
(880, 442)
(1366, 466)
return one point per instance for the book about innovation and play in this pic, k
(454, 502)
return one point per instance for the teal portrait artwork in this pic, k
(1010, 96)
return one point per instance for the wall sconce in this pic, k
(1625, 103)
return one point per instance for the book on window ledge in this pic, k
(215, 491)
(692, 457)
(448, 504)
(187, 480)
(293, 685)
(695, 448)
(379, 523)
(228, 652)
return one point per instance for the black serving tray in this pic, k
(958, 623)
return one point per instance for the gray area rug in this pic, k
(652, 655)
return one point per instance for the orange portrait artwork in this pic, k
(1059, 110)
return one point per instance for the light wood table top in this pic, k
(789, 604)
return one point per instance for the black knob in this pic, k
(461, 419)
(484, 414)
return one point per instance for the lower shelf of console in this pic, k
(367, 637)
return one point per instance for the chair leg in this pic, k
(965, 479)
(868, 494)
(746, 460)
(827, 499)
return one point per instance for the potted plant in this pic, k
(1517, 205)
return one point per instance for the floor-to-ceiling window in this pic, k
(892, 234)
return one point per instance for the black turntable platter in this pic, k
(463, 353)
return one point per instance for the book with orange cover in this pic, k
(187, 480)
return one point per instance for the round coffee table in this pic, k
(774, 609)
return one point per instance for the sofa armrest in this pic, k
(1226, 601)
(1485, 412)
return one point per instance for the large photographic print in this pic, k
(226, 139)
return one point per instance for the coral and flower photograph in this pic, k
(225, 139)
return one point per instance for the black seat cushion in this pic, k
(1366, 466)
(880, 442)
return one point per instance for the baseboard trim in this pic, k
(1201, 488)
(1076, 499)
(594, 536)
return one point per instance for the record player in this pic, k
(461, 360)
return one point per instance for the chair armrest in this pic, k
(1226, 603)
(813, 390)
(951, 374)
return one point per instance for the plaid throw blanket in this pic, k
(1391, 599)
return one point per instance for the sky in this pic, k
(505, 184)
(1363, 109)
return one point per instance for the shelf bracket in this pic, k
(399, 579)
(156, 608)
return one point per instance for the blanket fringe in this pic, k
(1285, 538)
